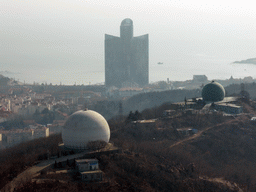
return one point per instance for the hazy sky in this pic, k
(63, 40)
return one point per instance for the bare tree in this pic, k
(96, 145)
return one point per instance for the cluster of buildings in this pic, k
(23, 106)
(213, 100)
(13, 137)
(29, 102)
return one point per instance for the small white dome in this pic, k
(83, 127)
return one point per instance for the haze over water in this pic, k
(157, 73)
(63, 40)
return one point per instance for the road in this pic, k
(200, 133)
(232, 186)
(29, 173)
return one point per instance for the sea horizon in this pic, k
(213, 70)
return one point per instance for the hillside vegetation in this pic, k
(18, 158)
(152, 99)
(220, 157)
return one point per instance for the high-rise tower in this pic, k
(126, 57)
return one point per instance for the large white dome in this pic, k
(84, 126)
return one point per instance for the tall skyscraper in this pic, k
(126, 58)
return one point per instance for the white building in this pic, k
(87, 165)
(89, 169)
(83, 127)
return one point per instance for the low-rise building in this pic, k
(89, 169)
(168, 113)
(13, 137)
(87, 165)
(228, 108)
(92, 175)
(40, 132)
(149, 123)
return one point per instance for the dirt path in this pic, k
(29, 173)
(200, 133)
(232, 186)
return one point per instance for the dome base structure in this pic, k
(108, 149)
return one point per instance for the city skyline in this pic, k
(63, 41)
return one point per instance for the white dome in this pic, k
(84, 126)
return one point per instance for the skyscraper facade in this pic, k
(126, 58)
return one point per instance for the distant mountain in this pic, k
(7, 72)
(247, 61)
(4, 80)
(7, 81)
